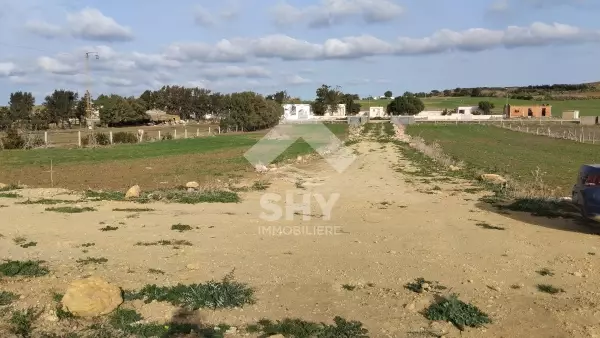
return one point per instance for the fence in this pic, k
(77, 137)
(589, 134)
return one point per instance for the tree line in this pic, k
(245, 110)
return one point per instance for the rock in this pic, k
(192, 185)
(261, 168)
(454, 168)
(439, 328)
(299, 159)
(191, 189)
(470, 281)
(577, 274)
(91, 297)
(276, 336)
(193, 266)
(51, 316)
(494, 287)
(231, 330)
(410, 306)
(2, 185)
(425, 286)
(493, 178)
(133, 192)
(392, 252)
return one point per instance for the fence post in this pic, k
(159, 138)
(219, 129)
(79, 138)
(110, 135)
(236, 128)
(197, 132)
(208, 130)
(46, 138)
(185, 133)
(175, 134)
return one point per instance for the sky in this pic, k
(364, 46)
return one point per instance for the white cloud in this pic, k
(87, 24)
(445, 40)
(236, 71)
(333, 12)
(9, 69)
(117, 82)
(55, 66)
(296, 80)
(203, 17)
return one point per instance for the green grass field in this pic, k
(585, 107)
(148, 163)
(518, 155)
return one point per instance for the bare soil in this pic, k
(394, 230)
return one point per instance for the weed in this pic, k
(45, 201)
(23, 268)
(156, 271)
(9, 195)
(298, 328)
(92, 260)
(21, 322)
(87, 245)
(545, 272)
(133, 209)
(63, 314)
(437, 188)
(181, 227)
(28, 244)
(109, 228)
(299, 184)
(70, 210)
(349, 287)
(132, 216)
(165, 242)
(420, 285)
(515, 286)
(130, 322)
(57, 297)
(19, 240)
(260, 185)
(488, 226)
(591, 253)
(457, 312)
(226, 293)
(547, 288)
(104, 195)
(6, 298)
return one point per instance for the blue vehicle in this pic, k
(586, 192)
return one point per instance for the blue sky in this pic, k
(364, 46)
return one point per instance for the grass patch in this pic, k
(170, 196)
(164, 242)
(21, 322)
(9, 195)
(10, 187)
(70, 210)
(348, 287)
(133, 209)
(421, 285)
(92, 260)
(543, 208)
(459, 313)
(28, 245)
(181, 227)
(547, 288)
(87, 245)
(45, 201)
(261, 185)
(57, 297)
(23, 268)
(226, 293)
(298, 328)
(156, 271)
(6, 298)
(545, 272)
(109, 228)
(486, 225)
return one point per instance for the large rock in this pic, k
(2, 186)
(133, 192)
(192, 185)
(493, 178)
(92, 297)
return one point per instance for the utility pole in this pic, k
(88, 94)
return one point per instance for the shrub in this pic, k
(124, 137)
(167, 136)
(102, 139)
(13, 140)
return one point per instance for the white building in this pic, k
(467, 110)
(297, 111)
(377, 112)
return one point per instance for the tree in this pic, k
(20, 107)
(447, 92)
(352, 108)
(279, 97)
(388, 94)
(116, 110)
(250, 111)
(60, 107)
(486, 107)
(407, 104)
(476, 92)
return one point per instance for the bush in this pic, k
(124, 137)
(33, 141)
(102, 139)
(13, 140)
(167, 136)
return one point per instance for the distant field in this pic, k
(585, 107)
(150, 164)
(512, 153)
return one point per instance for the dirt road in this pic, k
(388, 229)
